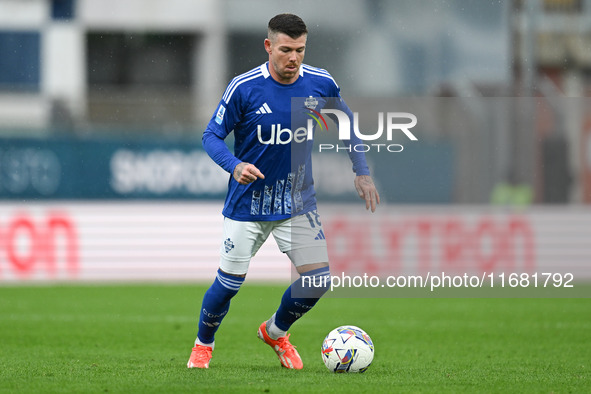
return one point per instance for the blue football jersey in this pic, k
(273, 131)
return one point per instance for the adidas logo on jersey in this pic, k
(320, 235)
(264, 109)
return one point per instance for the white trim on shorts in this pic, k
(301, 238)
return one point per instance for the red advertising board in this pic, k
(72, 241)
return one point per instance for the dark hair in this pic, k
(289, 24)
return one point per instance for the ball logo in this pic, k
(345, 350)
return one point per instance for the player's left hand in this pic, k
(367, 191)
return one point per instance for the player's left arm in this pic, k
(367, 191)
(363, 182)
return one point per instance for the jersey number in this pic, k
(313, 218)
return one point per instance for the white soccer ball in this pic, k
(347, 349)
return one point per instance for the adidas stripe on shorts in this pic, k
(300, 237)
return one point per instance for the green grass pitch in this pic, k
(137, 338)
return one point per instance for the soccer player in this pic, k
(271, 188)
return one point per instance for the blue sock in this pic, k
(216, 303)
(307, 291)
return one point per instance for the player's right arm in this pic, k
(222, 123)
(246, 173)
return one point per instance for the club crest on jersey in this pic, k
(311, 102)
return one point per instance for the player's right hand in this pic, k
(246, 173)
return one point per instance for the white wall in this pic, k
(63, 57)
(19, 14)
